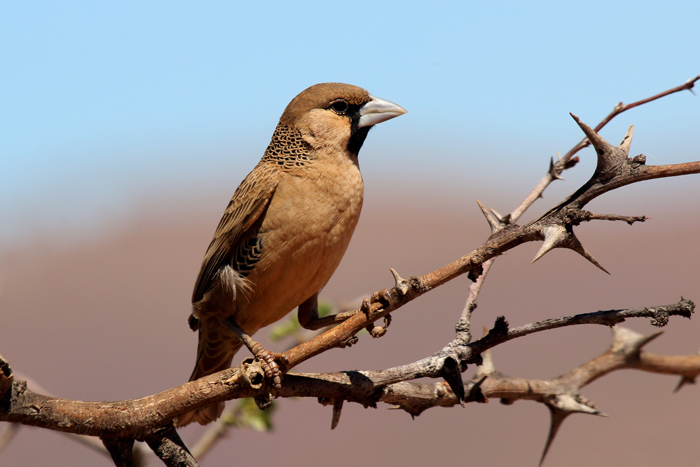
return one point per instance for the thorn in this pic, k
(684, 381)
(593, 137)
(496, 213)
(603, 149)
(451, 373)
(558, 156)
(475, 393)
(630, 342)
(557, 236)
(627, 140)
(563, 406)
(502, 219)
(573, 403)
(576, 245)
(494, 224)
(337, 408)
(556, 419)
(554, 236)
(401, 284)
(553, 173)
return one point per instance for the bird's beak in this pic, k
(377, 111)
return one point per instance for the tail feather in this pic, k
(215, 350)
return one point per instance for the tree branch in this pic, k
(620, 107)
(121, 450)
(132, 419)
(149, 419)
(168, 446)
(615, 169)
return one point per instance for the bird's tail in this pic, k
(215, 351)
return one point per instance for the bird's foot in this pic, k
(269, 362)
(366, 308)
(379, 331)
(348, 343)
(383, 296)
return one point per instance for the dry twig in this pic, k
(118, 424)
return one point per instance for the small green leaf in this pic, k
(325, 308)
(286, 328)
(290, 327)
(248, 415)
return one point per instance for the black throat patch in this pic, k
(357, 138)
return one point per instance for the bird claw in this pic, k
(379, 331)
(268, 360)
(366, 308)
(348, 343)
(383, 296)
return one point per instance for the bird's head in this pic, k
(336, 115)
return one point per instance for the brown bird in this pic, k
(285, 230)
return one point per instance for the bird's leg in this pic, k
(308, 315)
(308, 312)
(267, 359)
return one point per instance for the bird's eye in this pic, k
(340, 106)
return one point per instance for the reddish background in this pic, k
(104, 318)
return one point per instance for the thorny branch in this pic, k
(620, 107)
(118, 424)
(615, 169)
(133, 418)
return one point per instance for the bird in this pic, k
(285, 229)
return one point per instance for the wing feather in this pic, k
(246, 206)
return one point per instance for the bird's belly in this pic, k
(304, 242)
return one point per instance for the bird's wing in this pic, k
(246, 206)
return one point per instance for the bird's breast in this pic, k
(306, 230)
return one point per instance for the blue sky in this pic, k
(108, 104)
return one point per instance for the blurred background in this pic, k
(127, 126)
